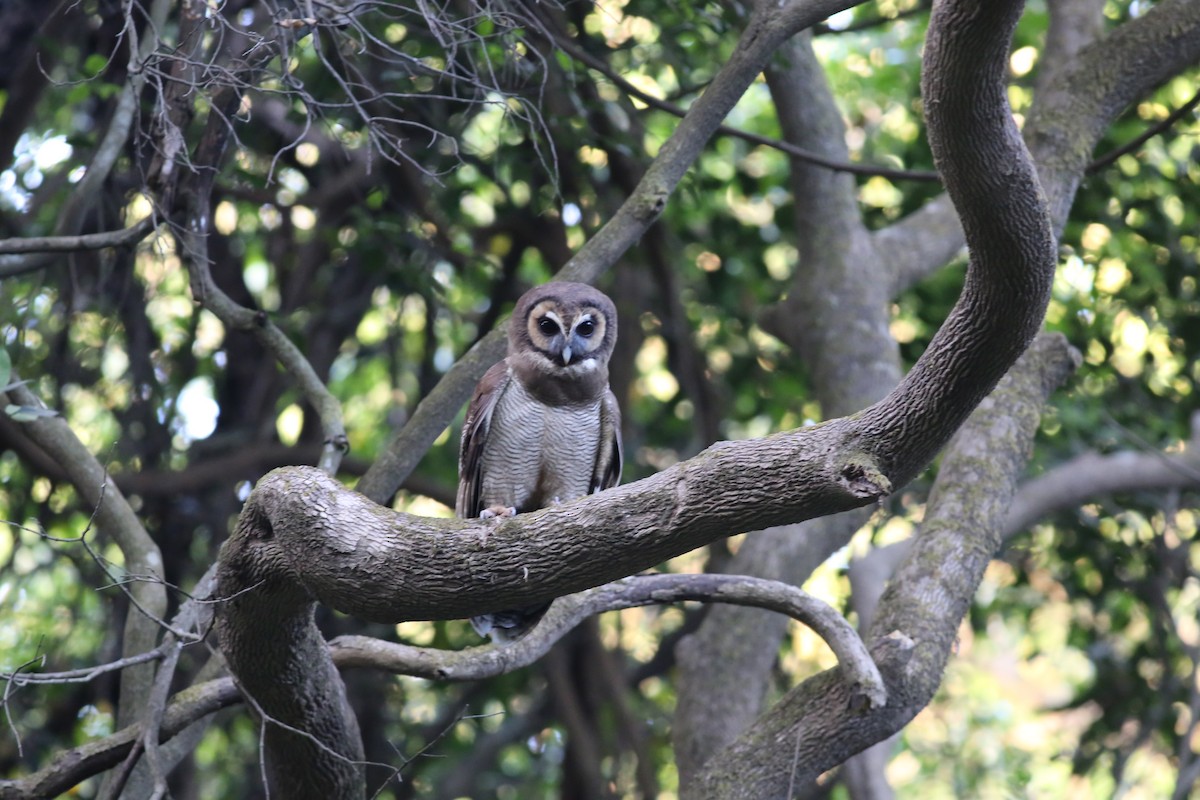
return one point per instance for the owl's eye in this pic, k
(547, 326)
(585, 328)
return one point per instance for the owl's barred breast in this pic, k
(538, 454)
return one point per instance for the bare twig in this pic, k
(156, 706)
(579, 54)
(18, 677)
(87, 241)
(1154, 130)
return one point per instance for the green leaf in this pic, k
(5, 368)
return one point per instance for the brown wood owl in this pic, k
(543, 427)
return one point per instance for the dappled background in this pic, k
(396, 181)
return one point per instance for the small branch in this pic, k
(488, 661)
(85, 675)
(874, 22)
(800, 154)
(87, 241)
(21, 256)
(92, 758)
(1154, 130)
(156, 707)
(117, 134)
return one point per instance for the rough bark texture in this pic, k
(836, 319)
(814, 728)
(1015, 242)
(280, 662)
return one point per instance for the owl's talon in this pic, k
(498, 512)
(494, 513)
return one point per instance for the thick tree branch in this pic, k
(915, 636)
(990, 176)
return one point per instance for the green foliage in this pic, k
(385, 250)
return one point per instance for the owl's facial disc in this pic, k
(568, 337)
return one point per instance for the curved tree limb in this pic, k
(487, 661)
(1085, 82)
(990, 176)
(1006, 221)
(924, 607)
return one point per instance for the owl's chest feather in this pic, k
(539, 454)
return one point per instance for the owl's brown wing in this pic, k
(608, 459)
(474, 438)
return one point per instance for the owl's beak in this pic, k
(566, 355)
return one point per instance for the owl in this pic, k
(542, 427)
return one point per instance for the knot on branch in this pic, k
(861, 477)
(654, 201)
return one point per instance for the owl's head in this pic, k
(565, 329)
